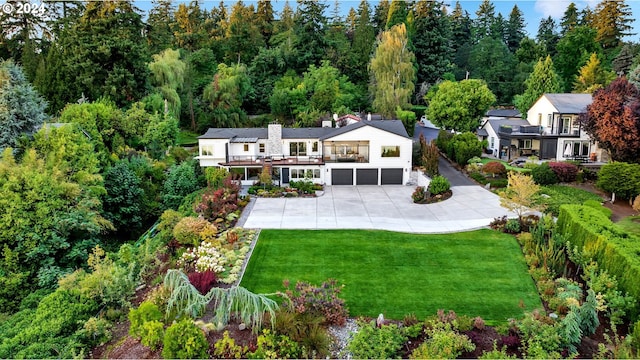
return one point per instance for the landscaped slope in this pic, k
(479, 273)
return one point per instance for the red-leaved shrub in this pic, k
(494, 168)
(203, 281)
(566, 172)
(319, 300)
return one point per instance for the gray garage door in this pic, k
(341, 176)
(391, 177)
(366, 176)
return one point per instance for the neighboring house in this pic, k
(491, 122)
(365, 152)
(552, 131)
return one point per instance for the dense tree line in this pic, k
(228, 60)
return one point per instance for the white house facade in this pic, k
(374, 152)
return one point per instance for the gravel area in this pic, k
(341, 336)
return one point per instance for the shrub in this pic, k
(466, 146)
(598, 206)
(168, 221)
(494, 168)
(439, 185)
(566, 172)
(217, 204)
(477, 176)
(147, 311)
(203, 281)
(614, 250)
(152, 334)
(215, 176)
(189, 230)
(442, 142)
(226, 348)
(562, 194)
(512, 226)
(182, 180)
(184, 340)
(543, 175)
(320, 300)
(429, 156)
(306, 329)
(95, 331)
(371, 342)
(443, 343)
(273, 346)
(304, 186)
(419, 194)
(498, 183)
(496, 354)
(620, 178)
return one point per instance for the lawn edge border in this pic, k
(248, 256)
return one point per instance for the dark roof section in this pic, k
(393, 126)
(506, 113)
(496, 123)
(482, 132)
(570, 103)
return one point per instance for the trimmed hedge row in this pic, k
(614, 250)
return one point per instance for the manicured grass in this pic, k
(563, 194)
(506, 165)
(186, 137)
(631, 225)
(479, 273)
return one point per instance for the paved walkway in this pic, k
(387, 207)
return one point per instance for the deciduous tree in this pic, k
(392, 72)
(226, 93)
(168, 77)
(460, 105)
(521, 194)
(542, 80)
(613, 120)
(574, 50)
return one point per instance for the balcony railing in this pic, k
(273, 159)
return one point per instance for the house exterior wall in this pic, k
(496, 139)
(218, 148)
(539, 114)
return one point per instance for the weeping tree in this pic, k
(168, 76)
(185, 299)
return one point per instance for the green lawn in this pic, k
(479, 273)
(564, 194)
(630, 224)
(187, 138)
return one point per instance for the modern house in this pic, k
(491, 123)
(376, 152)
(552, 131)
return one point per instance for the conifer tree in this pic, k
(592, 76)
(542, 80)
(612, 19)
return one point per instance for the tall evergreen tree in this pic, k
(189, 26)
(613, 21)
(363, 42)
(542, 80)
(392, 72)
(351, 21)
(243, 37)
(623, 61)
(310, 27)
(381, 15)
(432, 41)
(264, 18)
(398, 12)
(515, 29)
(485, 19)
(159, 31)
(104, 55)
(491, 61)
(286, 21)
(570, 19)
(461, 39)
(548, 35)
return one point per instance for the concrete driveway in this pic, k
(387, 207)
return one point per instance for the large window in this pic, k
(299, 174)
(390, 151)
(298, 149)
(525, 144)
(565, 126)
(576, 148)
(206, 150)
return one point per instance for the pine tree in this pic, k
(515, 29)
(243, 38)
(592, 76)
(310, 27)
(159, 32)
(392, 71)
(623, 62)
(542, 80)
(548, 35)
(461, 39)
(188, 27)
(264, 17)
(570, 19)
(612, 20)
(363, 42)
(432, 42)
(352, 20)
(485, 19)
(381, 15)
(398, 12)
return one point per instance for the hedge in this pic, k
(614, 250)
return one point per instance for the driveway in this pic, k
(387, 207)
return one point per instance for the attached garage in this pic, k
(391, 177)
(341, 176)
(366, 176)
